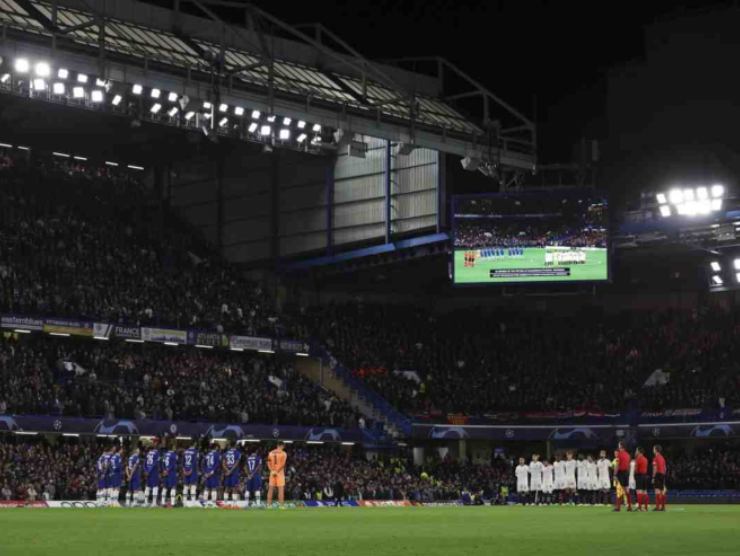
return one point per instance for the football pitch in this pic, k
(595, 268)
(691, 530)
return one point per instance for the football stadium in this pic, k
(291, 287)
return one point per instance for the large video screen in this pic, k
(555, 235)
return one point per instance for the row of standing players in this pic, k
(159, 471)
(585, 481)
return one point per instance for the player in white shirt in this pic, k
(548, 481)
(535, 479)
(522, 481)
(570, 477)
(559, 468)
(603, 480)
(581, 479)
(592, 480)
(632, 482)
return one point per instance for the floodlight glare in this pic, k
(223, 107)
(284, 134)
(702, 193)
(716, 204)
(63, 73)
(688, 194)
(665, 211)
(58, 88)
(172, 111)
(252, 127)
(238, 111)
(675, 196)
(716, 267)
(96, 95)
(117, 100)
(172, 97)
(137, 89)
(189, 115)
(81, 78)
(265, 130)
(155, 93)
(301, 138)
(718, 191)
(717, 280)
(156, 107)
(737, 277)
(22, 65)
(42, 69)
(39, 84)
(301, 124)
(78, 92)
(286, 121)
(256, 114)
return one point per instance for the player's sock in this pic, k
(246, 497)
(155, 495)
(258, 496)
(116, 493)
(629, 500)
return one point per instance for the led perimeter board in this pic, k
(545, 235)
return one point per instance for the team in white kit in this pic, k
(565, 481)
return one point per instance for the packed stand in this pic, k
(76, 377)
(87, 243)
(477, 362)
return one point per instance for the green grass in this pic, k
(595, 268)
(690, 530)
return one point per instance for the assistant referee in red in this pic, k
(623, 477)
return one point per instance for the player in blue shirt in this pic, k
(232, 471)
(133, 477)
(102, 468)
(151, 468)
(169, 474)
(254, 478)
(212, 472)
(116, 474)
(190, 470)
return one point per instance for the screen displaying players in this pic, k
(555, 235)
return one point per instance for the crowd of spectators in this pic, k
(95, 243)
(707, 468)
(477, 362)
(65, 376)
(476, 234)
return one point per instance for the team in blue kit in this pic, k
(152, 476)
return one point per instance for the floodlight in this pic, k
(58, 88)
(265, 130)
(137, 89)
(207, 105)
(156, 107)
(284, 134)
(316, 128)
(737, 277)
(301, 124)
(223, 107)
(39, 84)
(81, 78)
(63, 73)
(172, 97)
(135, 167)
(286, 121)
(22, 65)
(42, 69)
(155, 93)
(78, 92)
(256, 114)
(5, 77)
(665, 211)
(301, 138)
(688, 195)
(252, 127)
(271, 118)
(238, 111)
(172, 111)
(716, 204)
(117, 100)
(223, 122)
(189, 115)
(675, 196)
(716, 267)
(97, 95)
(718, 191)
(702, 193)
(717, 280)
(100, 82)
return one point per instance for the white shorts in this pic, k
(605, 484)
(582, 485)
(570, 483)
(522, 487)
(535, 486)
(547, 488)
(559, 484)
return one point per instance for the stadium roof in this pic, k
(339, 79)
